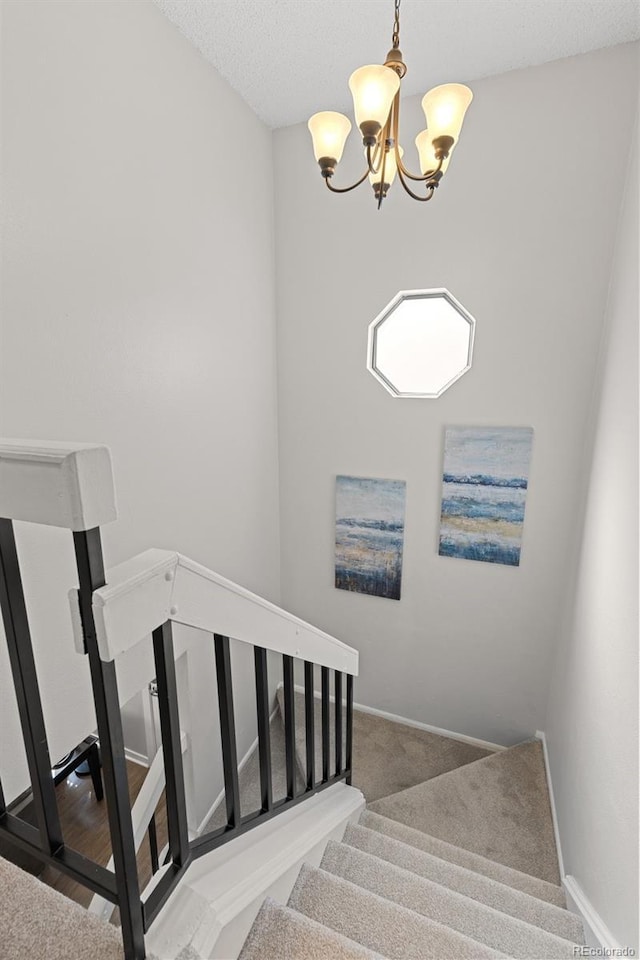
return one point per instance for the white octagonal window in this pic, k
(421, 343)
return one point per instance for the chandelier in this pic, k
(376, 101)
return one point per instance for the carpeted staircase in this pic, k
(462, 865)
(459, 865)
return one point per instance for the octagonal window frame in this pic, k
(429, 294)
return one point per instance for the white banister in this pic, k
(159, 585)
(58, 483)
(68, 484)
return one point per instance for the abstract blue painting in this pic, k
(369, 535)
(484, 489)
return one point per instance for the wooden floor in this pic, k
(86, 829)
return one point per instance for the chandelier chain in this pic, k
(396, 26)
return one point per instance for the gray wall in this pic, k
(137, 310)
(521, 236)
(592, 722)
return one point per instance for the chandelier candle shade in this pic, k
(376, 102)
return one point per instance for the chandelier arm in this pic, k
(429, 175)
(347, 189)
(430, 187)
(401, 167)
(371, 162)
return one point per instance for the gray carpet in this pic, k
(497, 807)
(377, 923)
(472, 862)
(285, 934)
(479, 887)
(461, 865)
(488, 924)
(400, 901)
(249, 778)
(38, 923)
(387, 756)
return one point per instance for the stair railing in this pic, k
(143, 818)
(71, 485)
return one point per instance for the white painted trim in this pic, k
(417, 724)
(440, 731)
(136, 757)
(541, 735)
(597, 933)
(218, 800)
(160, 585)
(136, 600)
(58, 483)
(217, 900)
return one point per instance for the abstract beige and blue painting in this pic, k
(484, 491)
(369, 535)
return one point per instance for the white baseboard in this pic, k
(597, 933)
(540, 734)
(417, 724)
(440, 731)
(218, 800)
(135, 757)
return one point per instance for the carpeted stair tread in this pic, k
(524, 882)
(280, 933)
(387, 756)
(395, 932)
(40, 923)
(487, 925)
(478, 887)
(497, 806)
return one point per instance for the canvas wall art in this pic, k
(369, 535)
(484, 490)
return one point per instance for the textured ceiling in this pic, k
(291, 58)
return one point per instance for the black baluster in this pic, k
(349, 757)
(88, 549)
(309, 724)
(325, 723)
(93, 762)
(153, 844)
(25, 681)
(264, 735)
(289, 725)
(171, 744)
(338, 706)
(227, 729)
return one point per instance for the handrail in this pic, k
(160, 585)
(58, 483)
